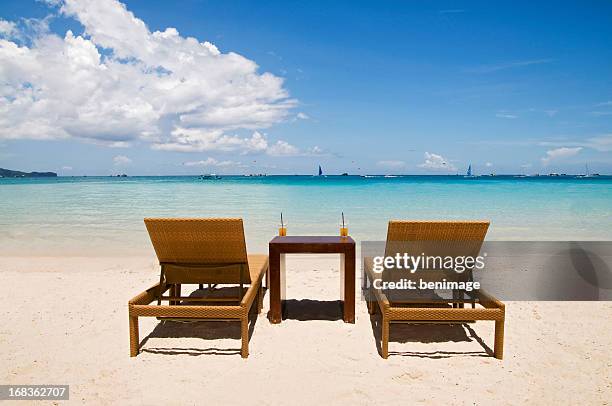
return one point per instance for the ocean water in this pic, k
(104, 215)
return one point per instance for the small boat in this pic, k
(320, 171)
(469, 172)
(209, 176)
(587, 174)
(344, 174)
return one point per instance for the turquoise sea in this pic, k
(103, 215)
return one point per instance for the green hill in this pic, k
(7, 173)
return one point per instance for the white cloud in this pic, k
(437, 162)
(198, 139)
(212, 162)
(506, 115)
(316, 151)
(489, 164)
(302, 116)
(391, 164)
(67, 168)
(551, 112)
(121, 160)
(601, 143)
(559, 153)
(508, 65)
(175, 92)
(282, 148)
(7, 28)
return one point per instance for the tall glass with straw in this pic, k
(343, 227)
(282, 229)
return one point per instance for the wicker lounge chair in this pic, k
(469, 235)
(200, 251)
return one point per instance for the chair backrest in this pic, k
(431, 240)
(435, 238)
(212, 248)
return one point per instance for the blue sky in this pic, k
(362, 87)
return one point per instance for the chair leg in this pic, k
(161, 286)
(385, 337)
(371, 303)
(134, 339)
(172, 292)
(244, 333)
(372, 307)
(260, 295)
(498, 349)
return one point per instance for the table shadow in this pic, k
(307, 309)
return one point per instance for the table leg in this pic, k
(275, 314)
(342, 278)
(283, 280)
(347, 269)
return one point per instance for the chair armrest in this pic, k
(249, 296)
(371, 275)
(149, 295)
(489, 301)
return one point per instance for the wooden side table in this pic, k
(279, 246)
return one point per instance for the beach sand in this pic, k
(64, 321)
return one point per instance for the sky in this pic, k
(99, 87)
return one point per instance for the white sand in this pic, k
(64, 321)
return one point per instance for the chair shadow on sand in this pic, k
(429, 333)
(202, 329)
(306, 309)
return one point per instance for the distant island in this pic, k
(7, 173)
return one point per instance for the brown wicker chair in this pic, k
(425, 311)
(200, 251)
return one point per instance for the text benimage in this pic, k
(436, 262)
(407, 284)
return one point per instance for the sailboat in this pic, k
(320, 171)
(587, 173)
(469, 172)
